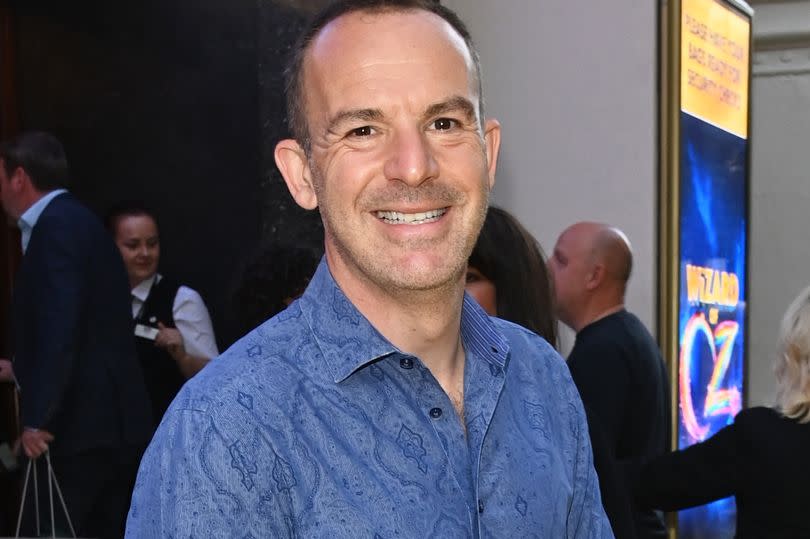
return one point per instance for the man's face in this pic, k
(399, 165)
(7, 196)
(568, 266)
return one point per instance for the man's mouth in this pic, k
(399, 218)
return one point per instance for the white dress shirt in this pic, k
(190, 317)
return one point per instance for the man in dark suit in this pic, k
(81, 389)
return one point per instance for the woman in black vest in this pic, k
(173, 331)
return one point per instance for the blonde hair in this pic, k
(792, 366)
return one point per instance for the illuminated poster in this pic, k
(713, 225)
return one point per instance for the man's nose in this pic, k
(411, 158)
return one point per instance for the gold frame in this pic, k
(669, 197)
(668, 208)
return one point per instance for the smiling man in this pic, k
(384, 402)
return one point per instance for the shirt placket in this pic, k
(438, 410)
(483, 383)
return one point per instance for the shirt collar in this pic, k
(142, 289)
(29, 218)
(349, 342)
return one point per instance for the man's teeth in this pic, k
(395, 217)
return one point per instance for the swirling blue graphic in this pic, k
(712, 300)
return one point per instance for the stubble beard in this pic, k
(366, 254)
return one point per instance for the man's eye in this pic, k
(364, 131)
(443, 124)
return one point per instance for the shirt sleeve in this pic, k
(178, 493)
(194, 323)
(699, 474)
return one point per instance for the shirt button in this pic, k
(435, 413)
(406, 363)
(480, 506)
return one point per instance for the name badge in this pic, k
(146, 332)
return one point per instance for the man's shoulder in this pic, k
(620, 333)
(532, 355)
(526, 341)
(617, 325)
(68, 230)
(538, 381)
(65, 216)
(633, 324)
(270, 362)
(756, 417)
(66, 204)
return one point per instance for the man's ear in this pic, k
(293, 164)
(492, 142)
(19, 179)
(595, 276)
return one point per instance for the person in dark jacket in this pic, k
(759, 459)
(81, 388)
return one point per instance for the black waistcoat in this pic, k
(163, 376)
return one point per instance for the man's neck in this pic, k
(425, 324)
(27, 200)
(599, 312)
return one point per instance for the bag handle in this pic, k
(51, 483)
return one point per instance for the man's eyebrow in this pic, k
(363, 115)
(454, 104)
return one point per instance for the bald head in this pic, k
(591, 265)
(612, 248)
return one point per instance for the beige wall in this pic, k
(575, 90)
(780, 183)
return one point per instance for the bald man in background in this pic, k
(615, 362)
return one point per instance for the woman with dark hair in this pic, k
(507, 275)
(173, 332)
(760, 458)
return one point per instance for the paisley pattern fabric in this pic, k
(314, 425)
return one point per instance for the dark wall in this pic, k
(279, 26)
(177, 103)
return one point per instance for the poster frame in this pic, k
(669, 202)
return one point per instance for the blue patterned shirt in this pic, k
(314, 425)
